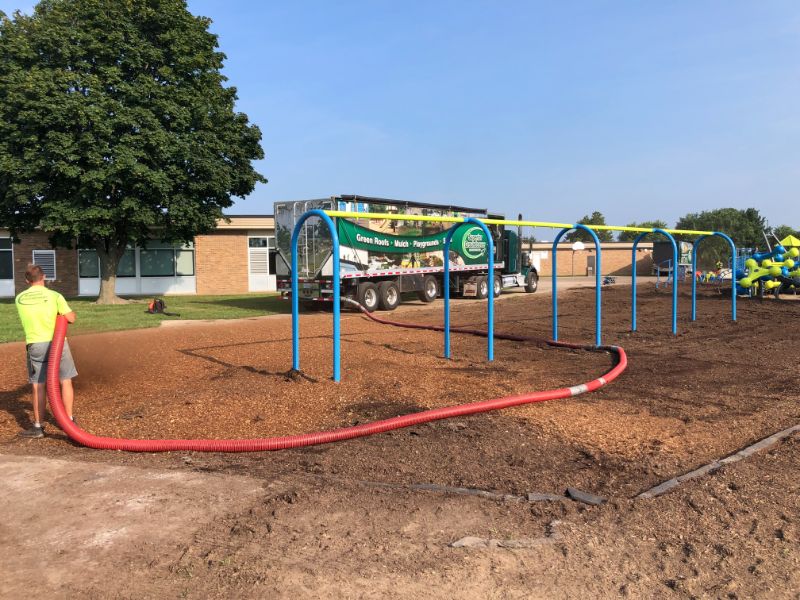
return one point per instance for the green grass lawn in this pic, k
(92, 317)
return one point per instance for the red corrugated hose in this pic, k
(321, 437)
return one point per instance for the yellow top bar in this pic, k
(403, 217)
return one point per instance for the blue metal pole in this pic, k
(295, 302)
(336, 293)
(633, 279)
(733, 273)
(695, 246)
(598, 284)
(337, 307)
(675, 259)
(490, 282)
(734, 293)
(446, 290)
(490, 304)
(554, 290)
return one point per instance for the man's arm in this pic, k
(64, 309)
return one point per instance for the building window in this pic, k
(165, 260)
(262, 255)
(261, 242)
(127, 264)
(46, 259)
(157, 262)
(89, 264)
(184, 261)
(6, 259)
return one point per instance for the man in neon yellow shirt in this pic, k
(38, 308)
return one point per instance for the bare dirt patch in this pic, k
(342, 520)
(84, 516)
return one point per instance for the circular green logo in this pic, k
(473, 244)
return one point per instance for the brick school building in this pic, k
(237, 257)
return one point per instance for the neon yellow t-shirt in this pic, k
(38, 308)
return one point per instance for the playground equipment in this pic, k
(674, 287)
(277, 443)
(769, 271)
(792, 245)
(565, 228)
(598, 282)
(489, 306)
(694, 270)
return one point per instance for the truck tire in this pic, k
(368, 296)
(388, 295)
(430, 289)
(531, 282)
(498, 286)
(483, 288)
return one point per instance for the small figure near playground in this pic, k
(38, 308)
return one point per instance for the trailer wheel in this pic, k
(430, 289)
(368, 296)
(483, 288)
(531, 282)
(498, 286)
(388, 295)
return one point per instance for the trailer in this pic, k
(382, 259)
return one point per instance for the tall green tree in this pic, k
(115, 122)
(629, 236)
(782, 231)
(745, 227)
(596, 218)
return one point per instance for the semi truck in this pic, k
(383, 259)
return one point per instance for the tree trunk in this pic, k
(109, 261)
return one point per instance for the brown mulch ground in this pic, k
(683, 401)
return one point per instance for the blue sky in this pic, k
(642, 110)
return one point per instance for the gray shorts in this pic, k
(38, 354)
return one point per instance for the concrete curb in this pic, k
(666, 486)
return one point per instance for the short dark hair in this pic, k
(34, 274)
